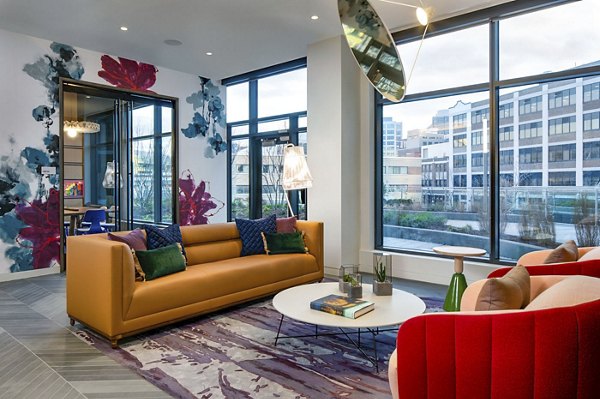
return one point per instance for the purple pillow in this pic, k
(135, 239)
(286, 225)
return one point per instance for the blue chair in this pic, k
(94, 217)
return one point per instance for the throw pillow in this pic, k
(135, 239)
(158, 238)
(571, 291)
(566, 252)
(284, 243)
(592, 254)
(161, 261)
(509, 292)
(286, 225)
(252, 243)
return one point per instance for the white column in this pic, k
(334, 123)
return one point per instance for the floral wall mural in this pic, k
(209, 116)
(196, 204)
(30, 222)
(128, 74)
(29, 200)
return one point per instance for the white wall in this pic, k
(334, 123)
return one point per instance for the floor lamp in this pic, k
(296, 175)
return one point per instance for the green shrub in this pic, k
(421, 220)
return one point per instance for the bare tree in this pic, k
(272, 173)
(587, 229)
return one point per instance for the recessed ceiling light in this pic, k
(314, 17)
(123, 28)
(209, 53)
(173, 42)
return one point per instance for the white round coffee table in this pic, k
(389, 311)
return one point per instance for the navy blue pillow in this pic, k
(252, 242)
(159, 238)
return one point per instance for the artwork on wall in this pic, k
(209, 115)
(196, 204)
(128, 74)
(73, 188)
(29, 200)
(30, 222)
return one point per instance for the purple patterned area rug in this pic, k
(231, 354)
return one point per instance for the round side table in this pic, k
(458, 283)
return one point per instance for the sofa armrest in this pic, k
(313, 238)
(100, 282)
(524, 354)
(586, 268)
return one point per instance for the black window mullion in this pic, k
(494, 140)
(157, 137)
(254, 154)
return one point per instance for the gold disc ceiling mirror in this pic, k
(373, 47)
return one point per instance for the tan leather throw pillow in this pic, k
(509, 292)
(566, 252)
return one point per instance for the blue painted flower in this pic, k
(217, 144)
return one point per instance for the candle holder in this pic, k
(382, 274)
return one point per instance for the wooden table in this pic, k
(458, 283)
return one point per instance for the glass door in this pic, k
(272, 193)
(118, 153)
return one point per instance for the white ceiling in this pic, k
(244, 35)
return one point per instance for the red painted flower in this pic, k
(195, 202)
(43, 229)
(128, 74)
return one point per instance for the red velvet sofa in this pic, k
(549, 353)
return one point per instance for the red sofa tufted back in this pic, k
(552, 353)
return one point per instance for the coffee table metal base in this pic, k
(374, 332)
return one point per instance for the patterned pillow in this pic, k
(250, 233)
(158, 238)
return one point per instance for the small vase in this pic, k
(382, 289)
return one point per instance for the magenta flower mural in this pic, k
(42, 231)
(128, 74)
(196, 204)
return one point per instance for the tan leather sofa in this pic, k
(103, 295)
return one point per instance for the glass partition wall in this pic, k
(118, 153)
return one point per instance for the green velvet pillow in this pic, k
(160, 261)
(284, 243)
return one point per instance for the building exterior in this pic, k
(549, 137)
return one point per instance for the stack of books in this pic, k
(342, 306)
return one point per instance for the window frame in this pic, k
(254, 136)
(490, 16)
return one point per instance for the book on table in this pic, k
(342, 306)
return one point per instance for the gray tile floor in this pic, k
(42, 358)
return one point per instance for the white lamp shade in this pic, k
(296, 175)
(109, 176)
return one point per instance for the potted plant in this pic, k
(354, 285)
(382, 274)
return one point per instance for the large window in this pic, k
(543, 102)
(266, 110)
